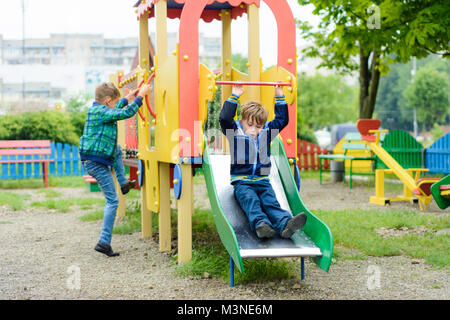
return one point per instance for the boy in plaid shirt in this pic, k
(99, 151)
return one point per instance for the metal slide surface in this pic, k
(249, 244)
(232, 223)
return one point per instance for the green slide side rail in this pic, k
(224, 228)
(317, 230)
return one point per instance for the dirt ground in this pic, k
(49, 255)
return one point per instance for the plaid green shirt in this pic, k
(99, 139)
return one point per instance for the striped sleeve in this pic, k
(280, 100)
(233, 98)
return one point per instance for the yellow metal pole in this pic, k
(144, 62)
(144, 65)
(226, 53)
(226, 63)
(254, 69)
(161, 30)
(165, 235)
(185, 211)
(379, 183)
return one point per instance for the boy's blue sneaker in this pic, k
(263, 230)
(293, 225)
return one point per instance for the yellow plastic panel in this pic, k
(275, 74)
(236, 75)
(166, 124)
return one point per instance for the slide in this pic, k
(314, 240)
(392, 164)
(420, 187)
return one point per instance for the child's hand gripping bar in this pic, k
(146, 97)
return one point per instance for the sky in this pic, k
(117, 19)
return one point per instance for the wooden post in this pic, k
(121, 141)
(185, 210)
(226, 63)
(254, 69)
(161, 30)
(146, 215)
(144, 64)
(165, 235)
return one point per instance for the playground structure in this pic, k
(415, 189)
(169, 127)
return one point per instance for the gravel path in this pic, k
(42, 253)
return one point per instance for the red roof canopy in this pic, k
(211, 12)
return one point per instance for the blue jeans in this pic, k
(103, 174)
(259, 202)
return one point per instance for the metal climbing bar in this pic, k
(140, 114)
(246, 83)
(146, 97)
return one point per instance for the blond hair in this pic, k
(106, 89)
(255, 110)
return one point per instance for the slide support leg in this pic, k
(303, 268)
(231, 272)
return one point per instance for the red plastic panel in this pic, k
(364, 125)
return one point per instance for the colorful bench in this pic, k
(342, 157)
(26, 151)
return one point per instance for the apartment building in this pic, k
(69, 49)
(50, 70)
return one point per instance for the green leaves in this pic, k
(325, 100)
(429, 95)
(391, 28)
(53, 125)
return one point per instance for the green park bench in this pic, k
(352, 143)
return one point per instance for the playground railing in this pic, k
(308, 155)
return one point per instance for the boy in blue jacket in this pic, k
(249, 140)
(99, 151)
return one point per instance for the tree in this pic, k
(76, 107)
(325, 100)
(240, 62)
(391, 106)
(42, 125)
(428, 93)
(369, 35)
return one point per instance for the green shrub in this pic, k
(52, 125)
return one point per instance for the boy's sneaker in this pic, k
(105, 249)
(293, 225)
(263, 230)
(128, 186)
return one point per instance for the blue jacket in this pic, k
(250, 158)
